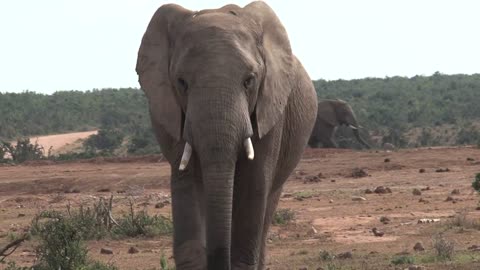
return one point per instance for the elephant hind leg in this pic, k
(269, 213)
(330, 143)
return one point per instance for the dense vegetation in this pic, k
(417, 111)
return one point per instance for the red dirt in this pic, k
(342, 224)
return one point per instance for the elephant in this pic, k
(232, 109)
(331, 114)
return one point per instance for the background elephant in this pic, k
(232, 109)
(331, 114)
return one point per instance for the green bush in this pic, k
(23, 151)
(106, 140)
(13, 266)
(444, 249)
(143, 142)
(404, 259)
(61, 245)
(141, 224)
(283, 216)
(476, 183)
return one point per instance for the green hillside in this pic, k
(417, 111)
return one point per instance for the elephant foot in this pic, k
(243, 266)
(191, 255)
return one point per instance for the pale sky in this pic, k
(52, 45)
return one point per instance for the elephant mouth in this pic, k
(187, 153)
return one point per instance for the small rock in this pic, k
(385, 220)
(345, 255)
(104, 190)
(377, 232)
(303, 268)
(133, 250)
(442, 170)
(330, 201)
(312, 179)
(449, 199)
(312, 231)
(474, 247)
(478, 208)
(455, 191)
(386, 160)
(320, 175)
(421, 170)
(358, 198)
(416, 267)
(301, 173)
(416, 192)
(106, 251)
(159, 205)
(470, 159)
(358, 173)
(21, 215)
(422, 200)
(287, 195)
(418, 247)
(382, 190)
(333, 180)
(368, 191)
(426, 188)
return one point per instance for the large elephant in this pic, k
(232, 109)
(331, 114)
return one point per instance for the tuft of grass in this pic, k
(403, 259)
(306, 194)
(140, 223)
(283, 216)
(463, 222)
(445, 249)
(326, 256)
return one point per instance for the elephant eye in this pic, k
(249, 82)
(182, 85)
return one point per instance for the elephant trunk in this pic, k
(219, 133)
(357, 135)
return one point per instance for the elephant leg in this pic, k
(330, 143)
(253, 182)
(189, 245)
(249, 206)
(272, 203)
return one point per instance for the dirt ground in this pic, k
(328, 203)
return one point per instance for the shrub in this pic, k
(444, 249)
(23, 150)
(476, 183)
(141, 224)
(13, 266)
(283, 216)
(106, 140)
(403, 259)
(61, 245)
(143, 142)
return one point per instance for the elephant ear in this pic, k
(277, 53)
(153, 64)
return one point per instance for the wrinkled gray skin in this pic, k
(214, 78)
(331, 114)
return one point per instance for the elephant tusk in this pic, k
(352, 127)
(249, 148)
(187, 153)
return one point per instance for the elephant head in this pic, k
(215, 80)
(337, 112)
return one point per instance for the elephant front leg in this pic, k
(189, 247)
(249, 207)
